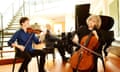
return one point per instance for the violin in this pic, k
(31, 30)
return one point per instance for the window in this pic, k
(114, 11)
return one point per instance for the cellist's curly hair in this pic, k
(98, 20)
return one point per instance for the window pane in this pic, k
(114, 12)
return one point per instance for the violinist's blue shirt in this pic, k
(22, 37)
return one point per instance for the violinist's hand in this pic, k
(13, 45)
(95, 33)
(21, 47)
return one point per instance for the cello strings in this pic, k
(98, 54)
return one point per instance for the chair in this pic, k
(106, 36)
(49, 49)
(105, 33)
(49, 43)
(19, 55)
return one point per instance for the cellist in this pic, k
(93, 24)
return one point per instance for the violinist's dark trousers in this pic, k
(27, 59)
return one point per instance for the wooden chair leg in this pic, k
(13, 65)
(53, 56)
(38, 63)
(47, 58)
(1, 53)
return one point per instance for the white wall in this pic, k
(4, 4)
(8, 8)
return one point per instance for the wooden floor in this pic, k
(57, 66)
(112, 65)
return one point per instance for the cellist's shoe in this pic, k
(74, 70)
(65, 59)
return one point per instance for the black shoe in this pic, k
(42, 70)
(65, 59)
(21, 71)
(74, 70)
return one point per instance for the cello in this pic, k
(83, 59)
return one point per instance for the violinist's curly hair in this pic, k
(98, 20)
(23, 19)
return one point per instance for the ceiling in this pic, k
(57, 12)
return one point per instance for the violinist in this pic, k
(22, 37)
(93, 24)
